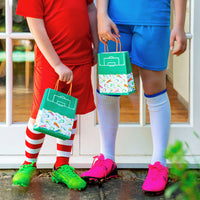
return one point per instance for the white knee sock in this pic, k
(108, 116)
(160, 116)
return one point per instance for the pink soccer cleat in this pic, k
(102, 169)
(156, 179)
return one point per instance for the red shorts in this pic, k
(46, 77)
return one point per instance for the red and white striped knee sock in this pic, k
(33, 143)
(64, 148)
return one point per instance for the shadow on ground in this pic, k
(126, 187)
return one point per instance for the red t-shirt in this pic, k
(67, 25)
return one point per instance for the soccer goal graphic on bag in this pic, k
(56, 114)
(115, 73)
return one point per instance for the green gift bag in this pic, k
(115, 73)
(56, 114)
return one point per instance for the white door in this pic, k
(134, 145)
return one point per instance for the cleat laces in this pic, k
(98, 161)
(155, 172)
(69, 170)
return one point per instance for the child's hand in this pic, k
(65, 74)
(105, 27)
(178, 35)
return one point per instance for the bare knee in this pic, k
(153, 81)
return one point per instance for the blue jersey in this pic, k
(140, 12)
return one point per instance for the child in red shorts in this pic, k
(65, 32)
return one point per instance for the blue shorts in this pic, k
(148, 46)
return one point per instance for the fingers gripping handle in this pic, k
(118, 46)
(57, 84)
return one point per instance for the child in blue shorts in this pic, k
(144, 30)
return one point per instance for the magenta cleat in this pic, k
(102, 169)
(156, 179)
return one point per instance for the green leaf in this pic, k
(196, 134)
(187, 145)
(170, 190)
